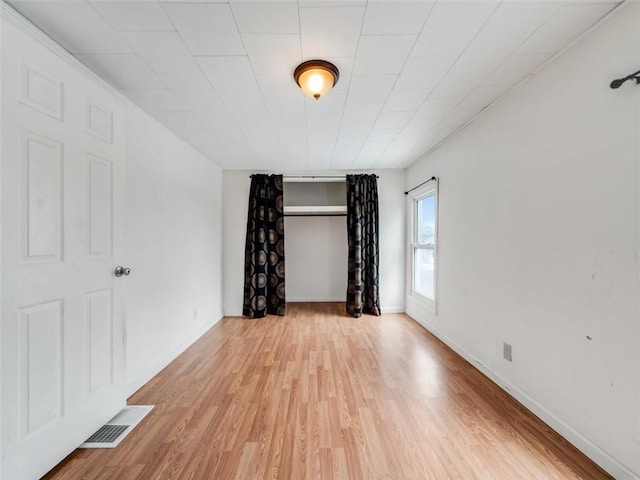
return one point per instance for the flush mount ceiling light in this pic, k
(316, 77)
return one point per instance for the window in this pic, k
(423, 212)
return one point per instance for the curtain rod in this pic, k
(315, 214)
(313, 176)
(417, 186)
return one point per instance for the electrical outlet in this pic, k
(506, 351)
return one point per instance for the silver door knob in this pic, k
(120, 271)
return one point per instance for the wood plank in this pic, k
(319, 395)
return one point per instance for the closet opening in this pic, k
(316, 239)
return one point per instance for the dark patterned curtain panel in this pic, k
(264, 288)
(362, 231)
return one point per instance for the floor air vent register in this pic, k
(116, 429)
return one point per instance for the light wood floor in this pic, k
(318, 395)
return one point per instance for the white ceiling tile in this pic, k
(135, 15)
(332, 102)
(211, 105)
(250, 118)
(221, 129)
(321, 145)
(504, 32)
(368, 154)
(405, 141)
(382, 135)
(324, 121)
(123, 71)
(266, 17)
(450, 27)
(191, 88)
(278, 85)
(322, 140)
(155, 100)
(296, 140)
(264, 141)
(382, 54)
(454, 120)
(209, 115)
(400, 17)
(418, 127)
(350, 144)
(453, 88)
(405, 99)
(164, 52)
(345, 67)
(292, 151)
(291, 126)
(435, 108)
(393, 119)
(482, 96)
(332, 3)
(246, 106)
(273, 54)
(515, 68)
(283, 109)
(75, 25)
(242, 108)
(394, 153)
(375, 146)
(184, 1)
(243, 99)
(319, 160)
(423, 72)
(227, 73)
(340, 163)
(567, 23)
(347, 148)
(208, 29)
(346, 151)
(355, 129)
(181, 122)
(344, 23)
(361, 112)
(370, 88)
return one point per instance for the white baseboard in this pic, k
(134, 386)
(586, 446)
(238, 313)
(392, 310)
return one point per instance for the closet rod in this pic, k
(314, 176)
(423, 183)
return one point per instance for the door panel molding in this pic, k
(99, 122)
(42, 366)
(42, 92)
(99, 339)
(99, 206)
(42, 199)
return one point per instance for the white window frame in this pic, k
(431, 188)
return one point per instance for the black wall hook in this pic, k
(619, 81)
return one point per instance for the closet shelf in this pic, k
(315, 210)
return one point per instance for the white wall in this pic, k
(174, 246)
(538, 244)
(329, 280)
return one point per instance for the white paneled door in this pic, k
(62, 319)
